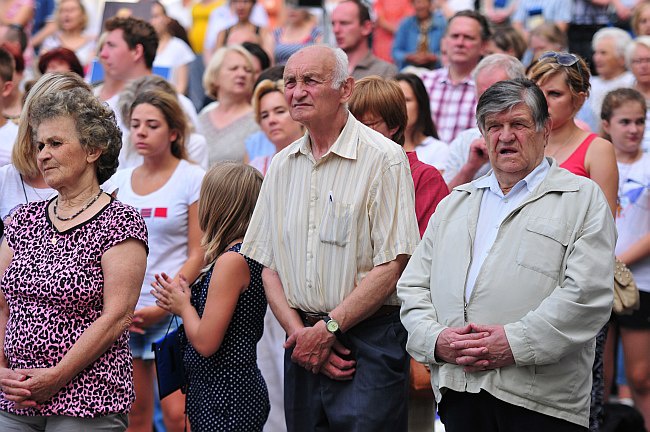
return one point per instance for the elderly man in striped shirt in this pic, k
(334, 227)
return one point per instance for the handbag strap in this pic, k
(169, 327)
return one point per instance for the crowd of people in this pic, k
(330, 199)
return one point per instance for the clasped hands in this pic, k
(318, 351)
(477, 347)
(29, 387)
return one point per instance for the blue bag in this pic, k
(168, 352)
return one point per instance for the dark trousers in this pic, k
(374, 400)
(482, 412)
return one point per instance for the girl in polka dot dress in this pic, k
(223, 311)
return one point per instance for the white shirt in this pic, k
(165, 211)
(590, 111)
(459, 155)
(494, 208)
(175, 54)
(433, 152)
(8, 134)
(633, 218)
(16, 193)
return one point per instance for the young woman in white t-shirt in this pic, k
(623, 120)
(165, 189)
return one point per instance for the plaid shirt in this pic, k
(453, 106)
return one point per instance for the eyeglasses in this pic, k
(563, 58)
(642, 60)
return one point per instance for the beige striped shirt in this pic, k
(323, 225)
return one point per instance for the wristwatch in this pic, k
(332, 326)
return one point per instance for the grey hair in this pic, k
(340, 67)
(505, 95)
(629, 52)
(94, 122)
(510, 65)
(621, 39)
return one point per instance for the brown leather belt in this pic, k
(311, 318)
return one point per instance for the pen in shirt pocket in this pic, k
(331, 196)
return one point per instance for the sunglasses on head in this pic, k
(563, 58)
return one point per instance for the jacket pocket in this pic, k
(335, 224)
(543, 245)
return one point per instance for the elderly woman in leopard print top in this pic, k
(71, 271)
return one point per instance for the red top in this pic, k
(576, 162)
(430, 189)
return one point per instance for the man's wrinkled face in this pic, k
(514, 145)
(308, 86)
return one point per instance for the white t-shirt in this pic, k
(165, 212)
(433, 152)
(16, 193)
(459, 155)
(633, 219)
(8, 134)
(176, 53)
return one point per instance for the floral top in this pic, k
(54, 288)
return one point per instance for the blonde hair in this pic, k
(636, 16)
(23, 154)
(83, 11)
(576, 76)
(211, 73)
(228, 195)
(263, 88)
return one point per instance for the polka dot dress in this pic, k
(226, 390)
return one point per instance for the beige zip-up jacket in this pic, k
(548, 279)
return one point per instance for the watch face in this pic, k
(332, 326)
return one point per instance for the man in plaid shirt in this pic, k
(452, 90)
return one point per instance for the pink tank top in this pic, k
(576, 162)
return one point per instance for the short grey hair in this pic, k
(94, 121)
(621, 39)
(629, 52)
(512, 67)
(505, 95)
(340, 67)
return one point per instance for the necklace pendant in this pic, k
(54, 239)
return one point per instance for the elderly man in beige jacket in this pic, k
(513, 279)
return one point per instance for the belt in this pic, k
(311, 318)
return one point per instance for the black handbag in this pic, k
(168, 352)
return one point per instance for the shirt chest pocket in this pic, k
(335, 224)
(543, 245)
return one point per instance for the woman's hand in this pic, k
(145, 317)
(41, 384)
(170, 295)
(11, 385)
